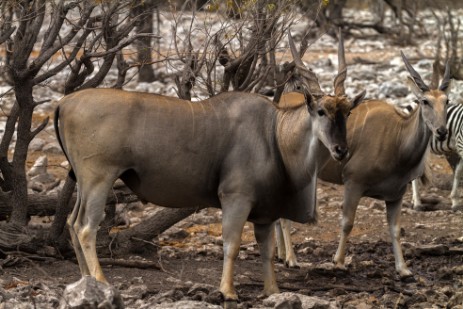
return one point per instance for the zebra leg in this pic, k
(416, 199)
(455, 194)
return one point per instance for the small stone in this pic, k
(54, 148)
(89, 293)
(306, 302)
(456, 300)
(39, 167)
(393, 89)
(291, 302)
(188, 304)
(36, 144)
(377, 205)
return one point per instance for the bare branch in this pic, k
(39, 128)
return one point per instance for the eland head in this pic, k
(329, 112)
(432, 100)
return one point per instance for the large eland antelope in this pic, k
(452, 145)
(387, 147)
(235, 151)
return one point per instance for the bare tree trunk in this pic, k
(145, 12)
(24, 137)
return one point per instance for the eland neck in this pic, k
(299, 146)
(417, 135)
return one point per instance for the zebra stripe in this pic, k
(454, 140)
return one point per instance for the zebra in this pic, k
(452, 148)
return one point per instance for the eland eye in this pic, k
(425, 102)
(447, 102)
(321, 112)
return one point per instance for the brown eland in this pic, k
(235, 151)
(451, 147)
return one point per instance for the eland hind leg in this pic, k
(87, 217)
(75, 240)
(393, 209)
(266, 240)
(290, 258)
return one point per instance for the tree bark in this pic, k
(24, 98)
(144, 44)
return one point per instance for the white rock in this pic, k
(393, 89)
(53, 147)
(308, 302)
(36, 144)
(39, 167)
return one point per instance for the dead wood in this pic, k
(45, 205)
(136, 238)
(130, 263)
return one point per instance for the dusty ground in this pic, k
(369, 281)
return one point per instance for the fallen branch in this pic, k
(130, 263)
(45, 205)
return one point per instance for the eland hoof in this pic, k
(291, 264)
(405, 274)
(230, 304)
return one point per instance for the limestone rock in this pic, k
(87, 293)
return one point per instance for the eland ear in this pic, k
(310, 102)
(414, 87)
(358, 99)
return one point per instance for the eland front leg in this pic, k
(284, 244)
(235, 212)
(266, 240)
(393, 219)
(351, 200)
